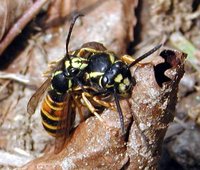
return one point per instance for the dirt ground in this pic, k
(33, 34)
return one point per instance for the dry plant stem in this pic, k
(154, 107)
(17, 77)
(21, 23)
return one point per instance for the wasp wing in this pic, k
(94, 45)
(54, 65)
(34, 100)
(65, 123)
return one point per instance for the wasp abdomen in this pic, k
(51, 111)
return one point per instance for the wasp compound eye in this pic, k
(104, 81)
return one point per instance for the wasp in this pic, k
(84, 77)
(64, 88)
(109, 75)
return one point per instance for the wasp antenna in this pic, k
(70, 32)
(119, 109)
(145, 55)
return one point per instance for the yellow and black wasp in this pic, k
(64, 93)
(110, 76)
(83, 77)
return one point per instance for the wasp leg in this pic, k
(127, 59)
(90, 106)
(103, 103)
(77, 102)
(84, 51)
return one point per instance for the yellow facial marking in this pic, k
(126, 81)
(79, 63)
(122, 87)
(119, 78)
(83, 66)
(76, 62)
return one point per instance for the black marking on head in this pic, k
(75, 67)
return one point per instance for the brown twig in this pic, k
(21, 23)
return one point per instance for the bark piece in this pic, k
(154, 107)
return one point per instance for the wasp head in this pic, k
(118, 76)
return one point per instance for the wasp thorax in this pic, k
(76, 62)
(97, 66)
(100, 62)
(60, 82)
(75, 66)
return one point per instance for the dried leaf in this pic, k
(101, 145)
